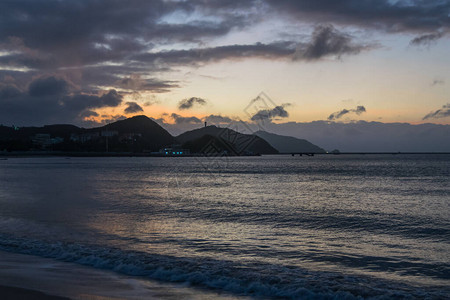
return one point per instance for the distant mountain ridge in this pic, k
(364, 136)
(140, 134)
(237, 143)
(288, 144)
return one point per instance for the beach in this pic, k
(30, 277)
(9, 292)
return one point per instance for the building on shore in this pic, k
(174, 150)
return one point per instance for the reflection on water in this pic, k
(279, 216)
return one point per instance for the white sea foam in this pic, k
(251, 279)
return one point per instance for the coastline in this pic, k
(18, 154)
(31, 277)
(10, 292)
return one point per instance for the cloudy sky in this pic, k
(183, 62)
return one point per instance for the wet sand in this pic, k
(8, 292)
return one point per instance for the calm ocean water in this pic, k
(325, 227)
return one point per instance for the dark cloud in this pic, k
(399, 16)
(98, 28)
(269, 114)
(326, 41)
(217, 119)
(275, 50)
(50, 86)
(88, 114)
(77, 48)
(132, 107)
(426, 39)
(112, 43)
(49, 101)
(437, 82)
(440, 113)
(337, 115)
(189, 103)
(137, 83)
(110, 99)
(42, 34)
(185, 120)
(9, 92)
(95, 40)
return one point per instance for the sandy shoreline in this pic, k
(8, 292)
(32, 277)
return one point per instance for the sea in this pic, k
(374, 226)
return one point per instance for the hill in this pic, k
(288, 144)
(136, 134)
(150, 135)
(210, 145)
(237, 143)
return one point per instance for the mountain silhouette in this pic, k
(288, 144)
(210, 145)
(141, 134)
(235, 142)
(151, 135)
(136, 134)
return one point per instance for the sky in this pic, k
(186, 62)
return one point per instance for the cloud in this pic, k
(132, 107)
(117, 44)
(105, 30)
(426, 39)
(131, 46)
(269, 114)
(440, 113)
(185, 120)
(81, 101)
(50, 86)
(151, 100)
(48, 100)
(437, 82)
(9, 92)
(135, 83)
(386, 15)
(327, 41)
(283, 49)
(40, 36)
(88, 114)
(189, 103)
(217, 119)
(358, 110)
